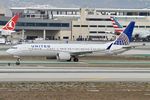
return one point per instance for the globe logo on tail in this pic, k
(122, 40)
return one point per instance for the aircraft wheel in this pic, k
(75, 59)
(17, 62)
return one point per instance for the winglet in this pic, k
(108, 48)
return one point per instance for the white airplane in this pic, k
(68, 52)
(119, 28)
(8, 29)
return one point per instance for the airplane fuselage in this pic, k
(53, 49)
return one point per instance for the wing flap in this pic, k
(85, 52)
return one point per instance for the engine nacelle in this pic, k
(62, 56)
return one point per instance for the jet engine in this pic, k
(62, 56)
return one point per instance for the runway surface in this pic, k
(94, 74)
(82, 63)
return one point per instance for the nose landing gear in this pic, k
(18, 61)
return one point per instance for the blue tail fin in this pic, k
(129, 30)
(126, 36)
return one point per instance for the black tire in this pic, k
(75, 59)
(17, 63)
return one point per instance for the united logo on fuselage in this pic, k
(40, 46)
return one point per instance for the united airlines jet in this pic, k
(69, 52)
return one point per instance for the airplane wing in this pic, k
(80, 53)
(88, 52)
(84, 52)
(132, 46)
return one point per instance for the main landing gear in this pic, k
(18, 61)
(75, 59)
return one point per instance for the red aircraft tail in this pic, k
(12, 23)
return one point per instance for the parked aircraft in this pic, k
(138, 33)
(8, 29)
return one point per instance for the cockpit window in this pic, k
(13, 48)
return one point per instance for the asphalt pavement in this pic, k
(65, 74)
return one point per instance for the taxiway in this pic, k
(66, 74)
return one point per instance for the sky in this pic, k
(6, 4)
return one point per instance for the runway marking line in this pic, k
(82, 62)
(118, 62)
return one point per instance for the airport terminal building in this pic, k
(74, 23)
